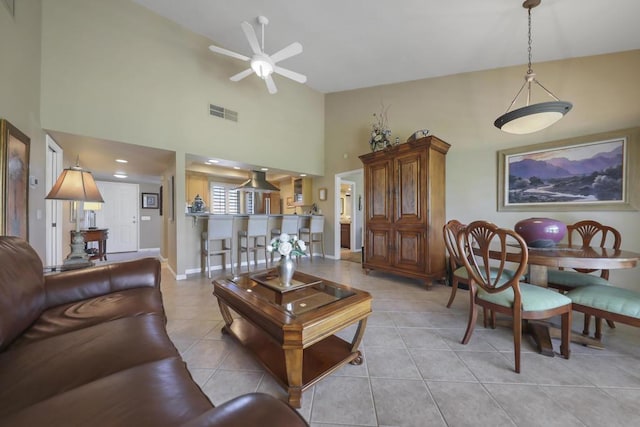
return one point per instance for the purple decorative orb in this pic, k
(541, 232)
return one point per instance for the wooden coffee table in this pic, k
(291, 330)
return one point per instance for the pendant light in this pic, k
(532, 118)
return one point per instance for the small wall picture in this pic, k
(150, 201)
(322, 194)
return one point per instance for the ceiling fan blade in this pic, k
(251, 37)
(287, 52)
(300, 78)
(217, 49)
(241, 75)
(271, 85)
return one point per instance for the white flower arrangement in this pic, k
(287, 245)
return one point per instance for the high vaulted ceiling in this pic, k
(351, 44)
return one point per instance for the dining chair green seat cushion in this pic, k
(462, 273)
(608, 298)
(534, 298)
(574, 279)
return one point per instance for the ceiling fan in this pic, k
(262, 64)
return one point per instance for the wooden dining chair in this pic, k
(491, 247)
(586, 233)
(456, 265)
(459, 273)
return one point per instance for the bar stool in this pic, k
(289, 225)
(314, 234)
(253, 239)
(218, 229)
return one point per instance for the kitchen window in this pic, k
(226, 200)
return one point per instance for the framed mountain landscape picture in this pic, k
(596, 172)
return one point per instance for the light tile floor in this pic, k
(415, 371)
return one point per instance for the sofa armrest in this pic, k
(76, 285)
(253, 409)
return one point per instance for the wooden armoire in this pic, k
(405, 209)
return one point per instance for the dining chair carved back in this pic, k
(456, 265)
(586, 233)
(459, 273)
(497, 259)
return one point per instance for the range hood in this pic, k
(257, 184)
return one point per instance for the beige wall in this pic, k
(114, 70)
(20, 99)
(461, 109)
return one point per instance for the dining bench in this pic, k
(606, 302)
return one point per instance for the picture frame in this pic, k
(290, 203)
(587, 173)
(150, 201)
(14, 181)
(322, 194)
(160, 201)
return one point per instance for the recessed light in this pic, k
(213, 161)
(236, 167)
(264, 169)
(122, 161)
(120, 175)
(303, 174)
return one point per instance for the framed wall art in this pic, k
(14, 184)
(322, 194)
(596, 172)
(150, 201)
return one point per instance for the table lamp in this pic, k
(76, 184)
(90, 208)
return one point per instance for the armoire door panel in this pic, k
(409, 189)
(409, 250)
(378, 244)
(379, 182)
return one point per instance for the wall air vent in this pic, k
(223, 113)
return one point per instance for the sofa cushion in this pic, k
(22, 296)
(160, 393)
(82, 284)
(84, 313)
(32, 373)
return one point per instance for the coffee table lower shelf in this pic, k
(318, 360)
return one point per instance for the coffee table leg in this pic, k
(224, 310)
(293, 363)
(357, 339)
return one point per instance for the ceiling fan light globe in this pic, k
(532, 118)
(262, 67)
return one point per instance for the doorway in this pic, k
(349, 208)
(119, 214)
(53, 208)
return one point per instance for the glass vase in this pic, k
(286, 267)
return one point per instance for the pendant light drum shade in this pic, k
(532, 118)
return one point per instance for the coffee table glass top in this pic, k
(307, 293)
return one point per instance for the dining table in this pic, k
(571, 257)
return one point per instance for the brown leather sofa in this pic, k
(89, 348)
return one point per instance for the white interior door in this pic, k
(119, 214)
(53, 208)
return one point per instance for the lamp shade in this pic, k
(75, 184)
(532, 118)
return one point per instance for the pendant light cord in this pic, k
(529, 71)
